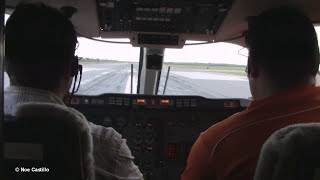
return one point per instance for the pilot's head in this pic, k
(283, 51)
(40, 44)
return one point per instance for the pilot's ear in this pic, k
(68, 71)
(253, 69)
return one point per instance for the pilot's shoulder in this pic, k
(217, 131)
(77, 113)
(99, 133)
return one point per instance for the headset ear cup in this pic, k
(74, 67)
(75, 70)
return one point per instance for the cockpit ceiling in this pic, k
(85, 19)
(204, 20)
(164, 16)
(235, 22)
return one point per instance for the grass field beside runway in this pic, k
(219, 68)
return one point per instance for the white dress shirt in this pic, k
(113, 159)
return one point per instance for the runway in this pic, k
(115, 78)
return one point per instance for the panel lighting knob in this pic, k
(149, 140)
(137, 139)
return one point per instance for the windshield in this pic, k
(107, 67)
(212, 70)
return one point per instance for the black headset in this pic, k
(75, 69)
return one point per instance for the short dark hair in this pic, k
(283, 40)
(39, 45)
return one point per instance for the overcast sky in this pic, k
(212, 53)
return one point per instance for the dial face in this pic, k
(149, 139)
(138, 139)
(121, 122)
(107, 121)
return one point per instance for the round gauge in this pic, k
(120, 122)
(137, 139)
(107, 121)
(149, 139)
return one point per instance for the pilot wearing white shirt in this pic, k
(40, 47)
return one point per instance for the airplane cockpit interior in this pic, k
(159, 128)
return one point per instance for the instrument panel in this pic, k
(160, 130)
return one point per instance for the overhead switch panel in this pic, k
(164, 16)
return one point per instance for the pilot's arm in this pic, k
(113, 159)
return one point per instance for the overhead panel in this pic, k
(168, 22)
(84, 19)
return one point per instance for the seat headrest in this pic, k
(279, 156)
(54, 114)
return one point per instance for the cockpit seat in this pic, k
(47, 141)
(291, 153)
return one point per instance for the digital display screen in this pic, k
(158, 39)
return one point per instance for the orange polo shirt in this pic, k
(230, 149)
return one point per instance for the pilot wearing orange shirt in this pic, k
(282, 64)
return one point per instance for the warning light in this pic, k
(156, 102)
(231, 104)
(138, 124)
(149, 125)
(149, 148)
(165, 101)
(172, 150)
(141, 101)
(137, 148)
(75, 101)
(149, 101)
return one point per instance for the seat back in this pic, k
(46, 141)
(291, 153)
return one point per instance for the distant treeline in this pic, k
(202, 64)
(97, 60)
